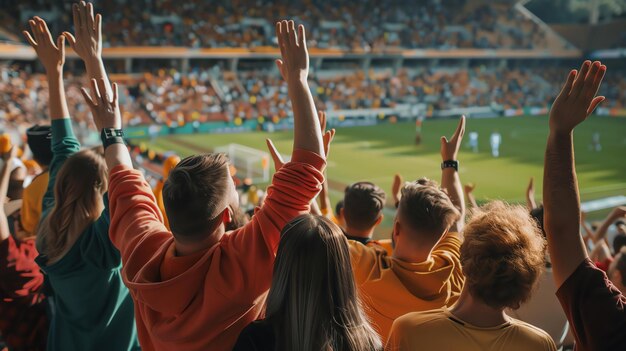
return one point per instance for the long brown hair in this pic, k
(78, 190)
(313, 303)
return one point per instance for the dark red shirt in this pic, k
(595, 309)
(23, 321)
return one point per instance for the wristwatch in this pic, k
(450, 164)
(110, 136)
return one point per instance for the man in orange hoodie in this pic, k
(424, 270)
(197, 287)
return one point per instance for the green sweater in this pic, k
(92, 308)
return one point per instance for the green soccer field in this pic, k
(377, 153)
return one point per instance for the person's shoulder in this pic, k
(531, 333)
(420, 319)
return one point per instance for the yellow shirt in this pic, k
(31, 206)
(440, 330)
(390, 288)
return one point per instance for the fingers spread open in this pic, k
(597, 81)
(89, 15)
(30, 39)
(567, 87)
(70, 39)
(77, 20)
(88, 99)
(322, 117)
(115, 94)
(293, 40)
(301, 36)
(594, 103)
(103, 90)
(96, 93)
(98, 26)
(460, 129)
(61, 45)
(580, 79)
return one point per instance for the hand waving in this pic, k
(577, 99)
(328, 136)
(469, 188)
(106, 113)
(88, 40)
(450, 149)
(52, 56)
(295, 57)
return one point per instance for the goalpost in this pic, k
(250, 163)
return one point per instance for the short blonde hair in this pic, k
(502, 255)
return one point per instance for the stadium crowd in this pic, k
(372, 26)
(169, 97)
(106, 262)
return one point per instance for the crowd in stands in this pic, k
(115, 264)
(169, 97)
(372, 25)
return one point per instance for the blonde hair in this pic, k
(78, 190)
(313, 303)
(502, 255)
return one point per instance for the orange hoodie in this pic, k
(390, 288)
(203, 301)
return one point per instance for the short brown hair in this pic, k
(363, 204)
(502, 255)
(195, 192)
(426, 208)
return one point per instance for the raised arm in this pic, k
(450, 179)
(469, 193)
(106, 115)
(5, 174)
(294, 68)
(52, 57)
(531, 204)
(396, 189)
(617, 213)
(324, 196)
(574, 104)
(88, 41)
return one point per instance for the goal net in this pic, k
(250, 163)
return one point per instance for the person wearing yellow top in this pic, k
(423, 271)
(168, 165)
(502, 258)
(38, 139)
(362, 211)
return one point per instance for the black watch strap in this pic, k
(450, 164)
(111, 136)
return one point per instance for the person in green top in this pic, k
(92, 308)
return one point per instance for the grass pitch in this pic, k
(376, 153)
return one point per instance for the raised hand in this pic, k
(105, 110)
(278, 159)
(51, 55)
(577, 99)
(450, 149)
(327, 135)
(88, 29)
(295, 57)
(469, 188)
(530, 195)
(396, 189)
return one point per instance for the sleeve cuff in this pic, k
(61, 128)
(309, 157)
